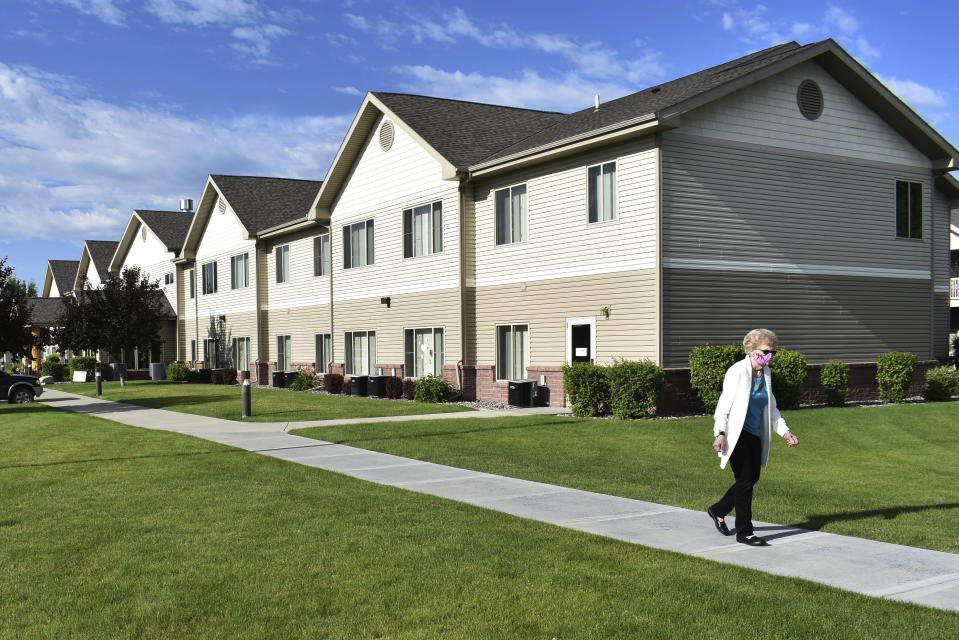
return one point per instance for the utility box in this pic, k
(521, 393)
(280, 380)
(359, 385)
(377, 386)
(156, 371)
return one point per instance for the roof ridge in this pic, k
(757, 56)
(230, 175)
(483, 104)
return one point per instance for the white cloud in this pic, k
(199, 13)
(914, 94)
(339, 39)
(254, 42)
(357, 22)
(350, 91)
(76, 166)
(841, 19)
(728, 22)
(105, 10)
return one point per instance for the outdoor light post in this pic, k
(99, 378)
(245, 393)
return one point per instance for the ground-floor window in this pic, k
(284, 353)
(211, 350)
(241, 354)
(360, 352)
(193, 351)
(512, 351)
(424, 348)
(323, 353)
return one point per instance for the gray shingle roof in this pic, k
(466, 132)
(262, 203)
(64, 274)
(44, 311)
(169, 226)
(101, 252)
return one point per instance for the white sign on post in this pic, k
(79, 376)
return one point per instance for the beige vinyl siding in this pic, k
(154, 261)
(301, 324)
(561, 242)
(302, 288)
(629, 332)
(767, 113)
(854, 319)
(726, 203)
(468, 274)
(425, 309)
(381, 185)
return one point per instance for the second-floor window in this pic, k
(282, 255)
(908, 209)
(191, 276)
(602, 192)
(168, 278)
(321, 255)
(358, 244)
(511, 215)
(240, 271)
(209, 278)
(423, 230)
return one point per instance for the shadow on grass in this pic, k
(816, 522)
(158, 456)
(440, 434)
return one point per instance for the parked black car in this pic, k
(18, 389)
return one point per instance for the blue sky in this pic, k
(111, 105)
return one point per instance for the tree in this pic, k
(15, 335)
(123, 314)
(16, 288)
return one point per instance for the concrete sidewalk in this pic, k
(878, 569)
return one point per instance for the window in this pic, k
(282, 256)
(240, 271)
(908, 209)
(211, 358)
(358, 244)
(323, 352)
(424, 351)
(511, 215)
(191, 275)
(321, 256)
(360, 351)
(168, 278)
(193, 351)
(423, 230)
(284, 353)
(241, 354)
(512, 351)
(209, 278)
(602, 192)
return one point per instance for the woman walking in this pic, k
(744, 419)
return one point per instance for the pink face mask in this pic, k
(762, 359)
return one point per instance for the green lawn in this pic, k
(111, 531)
(887, 473)
(269, 405)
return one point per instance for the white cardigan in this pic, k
(730, 413)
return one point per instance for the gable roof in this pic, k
(100, 252)
(170, 227)
(44, 311)
(63, 273)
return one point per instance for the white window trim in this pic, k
(586, 183)
(343, 252)
(321, 367)
(329, 265)
(349, 345)
(288, 339)
(287, 273)
(529, 329)
(407, 374)
(216, 279)
(442, 231)
(529, 215)
(246, 270)
(590, 320)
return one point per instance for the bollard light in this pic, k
(245, 393)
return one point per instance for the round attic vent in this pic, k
(143, 234)
(809, 99)
(386, 135)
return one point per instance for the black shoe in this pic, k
(721, 525)
(752, 541)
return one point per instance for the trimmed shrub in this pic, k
(894, 375)
(587, 387)
(834, 377)
(83, 363)
(707, 369)
(433, 389)
(304, 381)
(955, 350)
(941, 384)
(634, 387)
(788, 369)
(394, 387)
(333, 383)
(347, 387)
(201, 376)
(177, 372)
(54, 368)
(409, 388)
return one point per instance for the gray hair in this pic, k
(758, 336)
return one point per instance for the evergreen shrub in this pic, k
(433, 389)
(54, 368)
(788, 369)
(83, 363)
(707, 369)
(587, 387)
(634, 388)
(394, 387)
(941, 384)
(834, 377)
(333, 383)
(894, 375)
(177, 372)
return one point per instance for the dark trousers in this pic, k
(746, 462)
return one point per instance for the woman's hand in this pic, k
(791, 440)
(719, 444)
